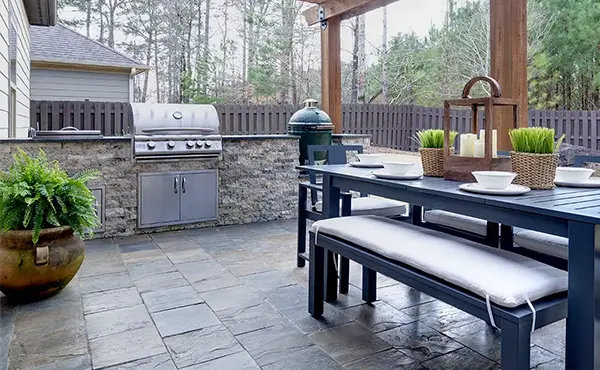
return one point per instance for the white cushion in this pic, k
(551, 245)
(508, 278)
(456, 221)
(372, 206)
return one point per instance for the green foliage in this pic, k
(538, 140)
(433, 138)
(36, 194)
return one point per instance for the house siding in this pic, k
(4, 67)
(13, 12)
(53, 84)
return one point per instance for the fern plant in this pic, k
(433, 138)
(537, 140)
(36, 194)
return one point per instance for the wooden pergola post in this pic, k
(331, 71)
(508, 47)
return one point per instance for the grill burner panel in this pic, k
(176, 131)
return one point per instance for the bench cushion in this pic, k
(372, 206)
(456, 221)
(508, 278)
(551, 245)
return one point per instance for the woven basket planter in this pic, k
(433, 161)
(536, 171)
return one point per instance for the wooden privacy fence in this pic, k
(391, 126)
(111, 118)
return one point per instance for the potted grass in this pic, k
(43, 214)
(534, 157)
(431, 149)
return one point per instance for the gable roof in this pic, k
(61, 45)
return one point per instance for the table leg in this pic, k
(301, 248)
(331, 208)
(315, 279)
(416, 215)
(583, 322)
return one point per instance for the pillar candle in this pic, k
(466, 144)
(494, 141)
(478, 149)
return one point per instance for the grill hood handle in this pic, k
(69, 128)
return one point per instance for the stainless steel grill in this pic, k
(175, 131)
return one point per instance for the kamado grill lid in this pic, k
(310, 118)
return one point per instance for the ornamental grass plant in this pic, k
(535, 140)
(433, 138)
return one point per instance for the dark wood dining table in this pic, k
(568, 212)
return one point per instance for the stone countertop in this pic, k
(65, 139)
(358, 136)
(261, 137)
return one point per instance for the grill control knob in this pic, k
(151, 145)
(207, 144)
(190, 144)
(199, 143)
(171, 144)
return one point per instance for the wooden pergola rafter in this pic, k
(508, 46)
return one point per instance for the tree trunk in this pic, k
(362, 67)
(354, 81)
(88, 17)
(206, 47)
(146, 75)
(384, 51)
(156, 69)
(245, 52)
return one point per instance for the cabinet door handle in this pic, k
(183, 182)
(175, 184)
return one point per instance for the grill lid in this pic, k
(174, 119)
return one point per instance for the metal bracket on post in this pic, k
(321, 16)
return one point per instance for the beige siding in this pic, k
(53, 84)
(4, 67)
(21, 24)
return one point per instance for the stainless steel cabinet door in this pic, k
(159, 199)
(199, 196)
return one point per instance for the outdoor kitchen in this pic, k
(176, 171)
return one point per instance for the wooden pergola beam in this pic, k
(508, 47)
(346, 9)
(331, 72)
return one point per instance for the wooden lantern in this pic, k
(459, 168)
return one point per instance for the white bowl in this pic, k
(371, 158)
(397, 168)
(573, 174)
(494, 179)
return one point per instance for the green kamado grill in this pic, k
(314, 128)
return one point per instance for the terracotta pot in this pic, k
(29, 272)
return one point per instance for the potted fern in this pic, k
(431, 143)
(534, 157)
(43, 214)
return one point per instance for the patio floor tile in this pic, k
(158, 282)
(551, 338)
(545, 360)
(187, 253)
(94, 284)
(274, 344)
(419, 341)
(171, 298)
(480, 337)
(154, 267)
(117, 321)
(110, 300)
(82, 362)
(293, 296)
(160, 362)
(249, 318)
(307, 324)
(378, 316)
(349, 342)
(309, 358)
(401, 296)
(390, 359)
(125, 347)
(207, 275)
(462, 359)
(231, 298)
(202, 345)
(184, 319)
(265, 281)
(440, 316)
(101, 264)
(237, 361)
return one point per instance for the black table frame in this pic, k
(567, 212)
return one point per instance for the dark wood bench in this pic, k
(510, 291)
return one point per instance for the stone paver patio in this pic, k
(232, 298)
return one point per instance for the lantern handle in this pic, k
(496, 90)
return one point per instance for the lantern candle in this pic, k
(467, 142)
(478, 149)
(494, 141)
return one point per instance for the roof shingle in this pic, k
(60, 44)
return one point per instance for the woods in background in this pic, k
(262, 51)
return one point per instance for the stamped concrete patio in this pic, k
(232, 298)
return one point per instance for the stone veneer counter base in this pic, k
(257, 177)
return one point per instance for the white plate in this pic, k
(383, 174)
(366, 165)
(512, 189)
(589, 183)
